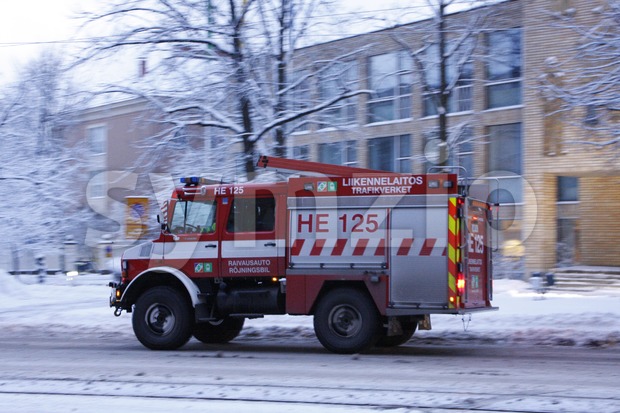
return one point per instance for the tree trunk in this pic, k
(280, 108)
(249, 158)
(443, 89)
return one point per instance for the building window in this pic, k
(97, 137)
(568, 189)
(459, 78)
(301, 152)
(462, 153)
(505, 148)
(568, 220)
(390, 153)
(338, 153)
(503, 86)
(505, 154)
(563, 6)
(390, 78)
(97, 184)
(332, 83)
(300, 99)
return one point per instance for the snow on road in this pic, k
(78, 309)
(524, 317)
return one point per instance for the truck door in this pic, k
(191, 244)
(250, 247)
(477, 259)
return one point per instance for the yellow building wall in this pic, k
(599, 223)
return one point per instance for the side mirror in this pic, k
(163, 225)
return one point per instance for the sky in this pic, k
(28, 26)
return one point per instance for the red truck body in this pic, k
(370, 254)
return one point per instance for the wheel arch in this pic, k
(160, 276)
(330, 285)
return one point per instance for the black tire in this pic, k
(221, 331)
(346, 321)
(394, 341)
(163, 319)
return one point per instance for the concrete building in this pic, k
(557, 196)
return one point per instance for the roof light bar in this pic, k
(190, 180)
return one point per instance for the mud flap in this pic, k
(425, 324)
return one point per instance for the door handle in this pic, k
(270, 244)
(210, 246)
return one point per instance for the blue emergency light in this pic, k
(190, 180)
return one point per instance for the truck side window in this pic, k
(193, 217)
(252, 215)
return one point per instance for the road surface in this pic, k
(84, 370)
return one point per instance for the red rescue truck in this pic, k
(369, 254)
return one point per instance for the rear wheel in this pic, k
(220, 331)
(346, 321)
(162, 319)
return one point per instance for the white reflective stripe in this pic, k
(253, 248)
(348, 247)
(192, 250)
(419, 247)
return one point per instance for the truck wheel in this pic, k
(162, 319)
(346, 321)
(393, 341)
(220, 331)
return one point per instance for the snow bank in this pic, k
(524, 317)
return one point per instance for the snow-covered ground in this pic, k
(524, 317)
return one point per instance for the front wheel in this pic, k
(346, 321)
(162, 319)
(220, 331)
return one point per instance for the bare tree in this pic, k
(587, 84)
(217, 64)
(443, 55)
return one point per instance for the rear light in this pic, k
(460, 283)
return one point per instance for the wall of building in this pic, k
(599, 222)
(551, 149)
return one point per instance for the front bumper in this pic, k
(116, 294)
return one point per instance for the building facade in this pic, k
(557, 196)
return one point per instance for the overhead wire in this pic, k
(402, 9)
(331, 34)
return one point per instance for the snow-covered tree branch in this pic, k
(222, 65)
(587, 83)
(36, 165)
(443, 55)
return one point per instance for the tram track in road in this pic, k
(286, 396)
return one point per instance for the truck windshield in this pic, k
(193, 217)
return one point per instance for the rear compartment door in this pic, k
(418, 263)
(477, 262)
